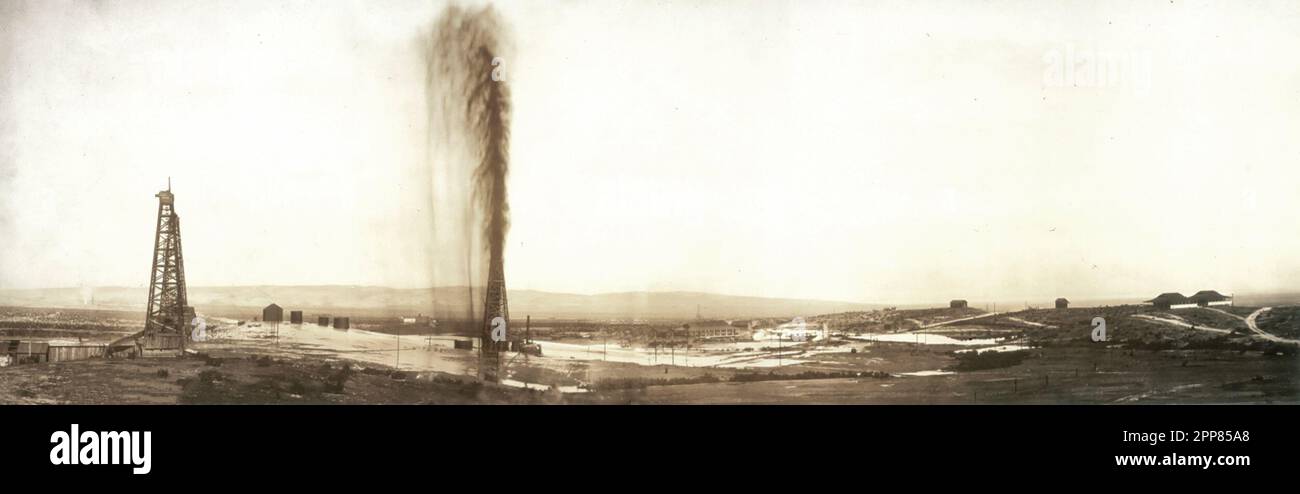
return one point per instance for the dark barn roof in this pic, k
(1171, 297)
(1208, 296)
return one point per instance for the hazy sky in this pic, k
(863, 151)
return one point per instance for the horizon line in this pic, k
(1004, 299)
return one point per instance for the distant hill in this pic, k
(444, 301)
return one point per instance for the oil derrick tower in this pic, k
(166, 317)
(494, 307)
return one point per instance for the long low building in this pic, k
(23, 352)
(1207, 298)
(1171, 300)
(711, 329)
(38, 352)
(1203, 298)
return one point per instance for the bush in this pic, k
(210, 376)
(336, 381)
(163, 373)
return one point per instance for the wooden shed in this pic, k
(272, 313)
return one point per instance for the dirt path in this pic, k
(1251, 322)
(1031, 323)
(963, 319)
(1174, 322)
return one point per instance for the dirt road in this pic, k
(963, 319)
(1178, 323)
(1251, 322)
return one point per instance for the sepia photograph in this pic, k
(647, 203)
